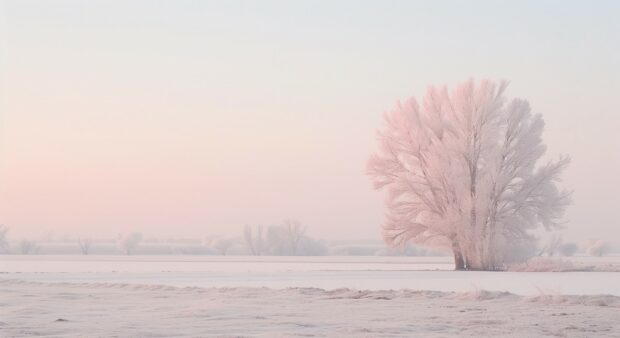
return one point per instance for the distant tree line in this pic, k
(288, 238)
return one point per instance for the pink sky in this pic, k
(187, 119)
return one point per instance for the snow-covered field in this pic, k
(196, 296)
(371, 273)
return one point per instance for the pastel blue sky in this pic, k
(197, 117)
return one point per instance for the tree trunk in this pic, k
(459, 262)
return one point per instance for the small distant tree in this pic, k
(254, 241)
(84, 244)
(286, 239)
(311, 247)
(277, 243)
(295, 233)
(223, 245)
(568, 249)
(597, 247)
(48, 236)
(128, 243)
(27, 247)
(4, 241)
(553, 245)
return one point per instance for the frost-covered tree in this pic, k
(27, 247)
(295, 233)
(218, 244)
(84, 243)
(223, 245)
(596, 247)
(4, 242)
(286, 239)
(254, 241)
(461, 171)
(553, 246)
(129, 242)
(568, 249)
(311, 247)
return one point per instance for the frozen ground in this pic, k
(198, 296)
(31, 309)
(371, 273)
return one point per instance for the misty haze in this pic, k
(309, 168)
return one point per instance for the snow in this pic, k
(124, 310)
(190, 296)
(371, 273)
(216, 264)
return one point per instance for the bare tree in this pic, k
(554, 244)
(4, 242)
(254, 240)
(27, 247)
(568, 249)
(597, 247)
(84, 244)
(461, 172)
(294, 233)
(128, 243)
(286, 239)
(223, 245)
(48, 236)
